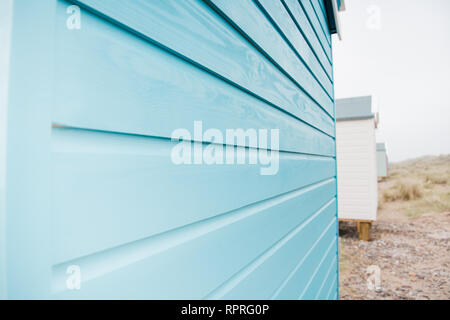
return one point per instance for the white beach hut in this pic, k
(356, 162)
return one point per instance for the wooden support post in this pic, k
(364, 230)
(363, 227)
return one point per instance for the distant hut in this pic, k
(382, 160)
(356, 162)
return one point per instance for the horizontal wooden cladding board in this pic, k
(351, 177)
(134, 87)
(351, 131)
(128, 187)
(358, 183)
(357, 202)
(356, 214)
(322, 18)
(322, 7)
(357, 190)
(276, 263)
(360, 210)
(302, 277)
(328, 279)
(356, 152)
(320, 274)
(287, 26)
(302, 21)
(191, 261)
(324, 39)
(333, 291)
(252, 22)
(192, 32)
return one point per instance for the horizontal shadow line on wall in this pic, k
(125, 135)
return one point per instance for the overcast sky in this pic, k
(399, 52)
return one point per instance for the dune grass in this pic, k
(417, 186)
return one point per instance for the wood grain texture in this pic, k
(248, 18)
(191, 30)
(193, 267)
(280, 17)
(121, 175)
(90, 178)
(302, 274)
(317, 27)
(301, 19)
(317, 8)
(134, 87)
(357, 167)
(267, 266)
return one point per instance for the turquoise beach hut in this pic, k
(167, 149)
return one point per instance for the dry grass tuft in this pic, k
(417, 186)
(410, 191)
(403, 190)
(434, 179)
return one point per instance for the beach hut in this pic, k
(356, 162)
(382, 160)
(167, 149)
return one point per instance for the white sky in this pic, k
(405, 65)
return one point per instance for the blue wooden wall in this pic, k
(89, 177)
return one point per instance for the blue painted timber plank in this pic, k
(300, 276)
(191, 30)
(157, 92)
(249, 19)
(268, 266)
(315, 23)
(301, 19)
(322, 19)
(115, 174)
(322, 7)
(190, 263)
(320, 274)
(281, 18)
(328, 280)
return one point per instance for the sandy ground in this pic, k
(409, 244)
(413, 255)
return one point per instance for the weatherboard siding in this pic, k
(357, 169)
(94, 185)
